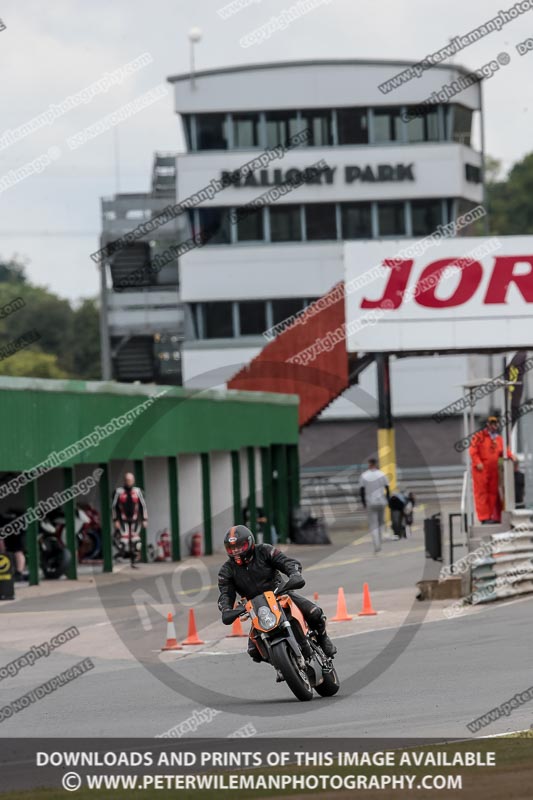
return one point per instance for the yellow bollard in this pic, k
(387, 460)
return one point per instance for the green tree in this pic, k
(31, 363)
(70, 336)
(49, 314)
(493, 168)
(12, 271)
(510, 200)
(86, 341)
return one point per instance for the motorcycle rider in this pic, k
(252, 569)
(129, 511)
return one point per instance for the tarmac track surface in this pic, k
(427, 678)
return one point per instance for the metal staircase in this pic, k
(132, 259)
(134, 359)
(308, 358)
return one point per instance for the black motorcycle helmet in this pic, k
(240, 544)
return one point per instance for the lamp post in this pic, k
(195, 35)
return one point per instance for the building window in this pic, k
(449, 213)
(423, 128)
(192, 322)
(280, 126)
(352, 125)
(387, 125)
(252, 315)
(212, 132)
(462, 125)
(245, 130)
(391, 218)
(472, 173)
(319, 124)
(320, 221)
(250, 228)
(284, 309)
(426, 216)
(356, 220)
(187, 124)
(214, 223)
(285, 223)
(447, 112)
(218, 320)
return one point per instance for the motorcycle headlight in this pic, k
(266, 617)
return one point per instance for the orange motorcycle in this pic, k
(283, 639)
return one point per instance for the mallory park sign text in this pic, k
(380, 173)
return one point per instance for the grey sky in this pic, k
(53, 49)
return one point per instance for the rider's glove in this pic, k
(297, 580)
(230, 615)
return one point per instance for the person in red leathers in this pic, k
(129, 512)
(485, 450)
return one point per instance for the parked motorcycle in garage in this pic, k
(53, 554)
(284, 641)
(86, 527)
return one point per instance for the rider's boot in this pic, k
(323, 639)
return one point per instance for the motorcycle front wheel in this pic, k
(284, 659)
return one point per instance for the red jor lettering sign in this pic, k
(506, 271)
(462, 294)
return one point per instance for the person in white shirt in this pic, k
(374, 492)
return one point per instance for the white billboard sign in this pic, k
(414, 295)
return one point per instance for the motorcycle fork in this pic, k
(291, 641)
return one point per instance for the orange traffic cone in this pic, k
(367, 610)
(342, 613)
(315, 596)
(171, 642)
(192, 636)
(236, 630)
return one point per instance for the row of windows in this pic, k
(325, 221)
(228, 320)
(328, 127)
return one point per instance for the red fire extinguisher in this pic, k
(165, 543)
(196, 544)
(163, 547)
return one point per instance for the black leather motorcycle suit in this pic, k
(263, 574)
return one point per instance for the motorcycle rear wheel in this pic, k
(330, 685)
(284, 659)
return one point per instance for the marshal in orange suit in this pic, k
(485, 450)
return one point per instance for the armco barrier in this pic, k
(508, 569)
